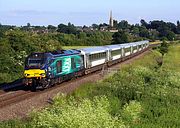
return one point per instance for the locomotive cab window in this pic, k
(35, 60)
(59, 66)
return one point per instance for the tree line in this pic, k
(154, 30)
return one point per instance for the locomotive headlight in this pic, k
(42, 74)
(26, 74)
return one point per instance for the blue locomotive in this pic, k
(46, 69)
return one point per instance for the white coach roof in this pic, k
(99, 49)
(92, 50)
(113, 47)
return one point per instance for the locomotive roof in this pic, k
(64, 52)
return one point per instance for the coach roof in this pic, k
(92, 50)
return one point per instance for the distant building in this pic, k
(103, 28)
(111, 24)
(111, 20)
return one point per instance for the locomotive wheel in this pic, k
(34, 84)
(45, 84)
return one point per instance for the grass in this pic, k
(142, 94)
(172, 59)
(156, 42)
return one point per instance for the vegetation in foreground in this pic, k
(143, 94)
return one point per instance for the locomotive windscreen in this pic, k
(35, 60)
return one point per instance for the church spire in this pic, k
(111, 20)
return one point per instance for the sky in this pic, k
(86, 12)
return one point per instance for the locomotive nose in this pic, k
(31, 73)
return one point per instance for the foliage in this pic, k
(120, 37)
(68, 29)
(163, 49)
(68, 113)
(131, 112)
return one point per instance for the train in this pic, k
(43, 70)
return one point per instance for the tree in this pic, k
(95, 26)
(144, 23)
(51, 28)
(143, 32)
(171, 26)
(120, 37)
(170, 35)
(135, 30)
(115, 24)
(123, 25)
(178, 27)
(28, 25)
(68, 29)
(163, 49)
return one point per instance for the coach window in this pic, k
(59, 66)
(94, 56)
(128, 49)
(91, 57)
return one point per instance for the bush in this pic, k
(72, 114)
(131, 112)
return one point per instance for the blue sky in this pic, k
(86, 12)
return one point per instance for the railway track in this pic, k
(2, 92)
(14, 97)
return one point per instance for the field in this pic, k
(142, 94)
